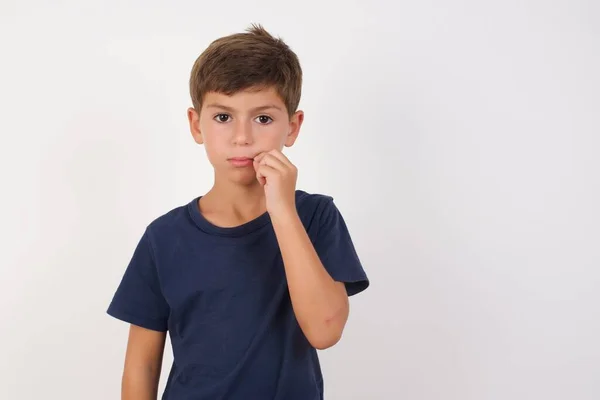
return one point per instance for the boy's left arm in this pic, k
(320, 303)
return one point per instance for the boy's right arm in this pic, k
(143, 362)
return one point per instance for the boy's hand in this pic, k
(278, 176)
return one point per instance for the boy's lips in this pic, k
(241, 161)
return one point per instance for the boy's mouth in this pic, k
(241, 161)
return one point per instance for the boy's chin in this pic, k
(244, 178)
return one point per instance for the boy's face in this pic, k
(235, 129)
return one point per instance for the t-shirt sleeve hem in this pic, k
(355, 287)
(355, 283)
(147, 323)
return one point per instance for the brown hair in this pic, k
(250, 60)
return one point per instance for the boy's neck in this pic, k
(228, 204)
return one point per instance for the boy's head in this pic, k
(245, 90)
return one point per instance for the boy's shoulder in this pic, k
(171, 220)
(306, 200)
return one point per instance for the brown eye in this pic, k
(265, 119)
(222, 117)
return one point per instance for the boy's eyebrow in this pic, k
(255, 109)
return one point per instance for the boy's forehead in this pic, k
(247, 98)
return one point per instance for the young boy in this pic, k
(254, 276)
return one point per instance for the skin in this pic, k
(143, 362)
(231, 127)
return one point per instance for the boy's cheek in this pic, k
(212, 153)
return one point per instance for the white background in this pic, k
(460, 139)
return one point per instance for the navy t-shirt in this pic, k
(222, 295)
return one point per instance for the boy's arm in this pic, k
(320, 304)
(143, 362)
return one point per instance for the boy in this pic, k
(254, 276)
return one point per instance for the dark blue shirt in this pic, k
(222, 295)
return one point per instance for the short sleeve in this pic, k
(336, 250)
(138, 299)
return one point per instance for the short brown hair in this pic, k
(250, 60)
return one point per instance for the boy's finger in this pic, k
(266, 172)
(280, 156)
(260, 178)
(273, 162)
(260, 156)
(256, 161)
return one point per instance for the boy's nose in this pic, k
(242, 134)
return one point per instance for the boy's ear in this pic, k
(295, 124)
(194, 119)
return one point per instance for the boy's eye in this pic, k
(222, 117)
(264, 119)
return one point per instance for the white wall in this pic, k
(460, 140)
